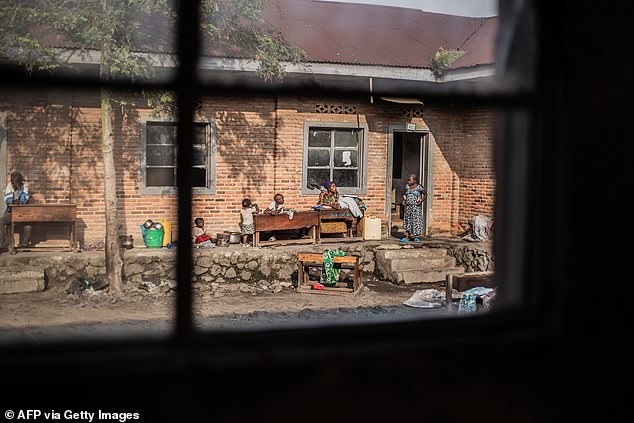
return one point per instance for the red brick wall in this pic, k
(55, 139)
(464, 173)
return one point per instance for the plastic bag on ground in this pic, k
(426, 298)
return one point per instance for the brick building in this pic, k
(257, 145)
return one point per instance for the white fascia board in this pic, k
(75, 56)
(367, 71)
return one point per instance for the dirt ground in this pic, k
(52, 315)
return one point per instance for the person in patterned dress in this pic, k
(413, 202)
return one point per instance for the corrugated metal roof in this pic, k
(346, 33)
(362, 34)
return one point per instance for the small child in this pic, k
(199, 235)
(246, 220)
(277, 206)
(413, 202)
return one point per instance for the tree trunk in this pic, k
(113, 256)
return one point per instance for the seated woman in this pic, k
(329, 197)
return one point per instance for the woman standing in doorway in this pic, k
(413, 202)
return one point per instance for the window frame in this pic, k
(362, 156)
(210, 189)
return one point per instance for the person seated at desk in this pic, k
(330, 197)
(17, 192)
(276, 206)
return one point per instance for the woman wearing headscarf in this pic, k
(330, 197)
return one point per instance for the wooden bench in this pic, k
(281, 222)
(307, 260)
(43, 213)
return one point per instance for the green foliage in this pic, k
(443, 59)
(34, 31)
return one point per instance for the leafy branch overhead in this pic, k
(443, 59)
(124, 31)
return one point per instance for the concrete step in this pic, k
(24, 279)
(407, 253)
(409, 277)
(421, 263)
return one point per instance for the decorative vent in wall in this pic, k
(336, 109)
(412, 113)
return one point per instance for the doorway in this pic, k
(410, 155)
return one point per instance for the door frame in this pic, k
(4, 170)
(427, 155)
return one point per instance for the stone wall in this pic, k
(233, 268)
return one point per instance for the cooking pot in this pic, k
(222, 240)
(234, 237)
(125, 241)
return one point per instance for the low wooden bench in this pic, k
(307, 260)
(44, 213)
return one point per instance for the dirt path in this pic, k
(35, 317)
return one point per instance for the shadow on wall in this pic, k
(246, 156)
(465, 183)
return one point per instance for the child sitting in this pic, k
(247, 223)
(199, 236)
(277, 206)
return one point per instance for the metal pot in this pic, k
(148, 224)
(222, 240)
(234, 238)
(125, 241)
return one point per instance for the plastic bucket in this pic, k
(153, 238)
(167, 234)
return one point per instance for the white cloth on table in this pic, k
(350, 204)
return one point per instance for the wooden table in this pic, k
(43, 213)
(307, 260)
(280, 222)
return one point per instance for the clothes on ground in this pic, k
(468, 302)
(330, 273)
(413, 217)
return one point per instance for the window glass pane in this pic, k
(345, 158)
(317, 176)
(161, 133)
(160, 177)
(200, 155)
(345, 178)
(200, 134)
(346, 138)
(318, 157)
(160, 155)
(199, 177)
(318, 138)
